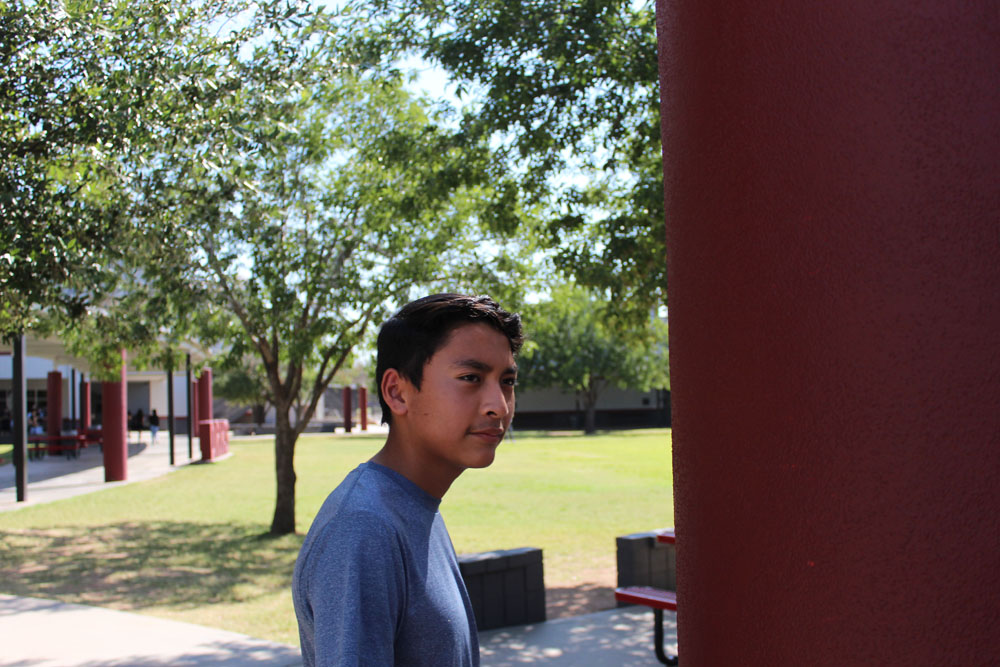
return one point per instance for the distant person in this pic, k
(154, 426)
(34, 424)
(377, 580)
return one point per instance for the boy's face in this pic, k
(465, 402)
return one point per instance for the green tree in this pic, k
(223, 169)
(308, 200)
(572, 347)
(569, 88)
(83, 92)
(226, 170)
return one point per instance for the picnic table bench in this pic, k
(69, 444)
(658, 599)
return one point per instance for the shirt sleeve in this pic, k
(355, 591)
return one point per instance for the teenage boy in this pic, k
(377, 581)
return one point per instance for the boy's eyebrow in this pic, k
(483, 366)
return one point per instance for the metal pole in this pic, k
(190, 409)
(20, 424)
(170, 406)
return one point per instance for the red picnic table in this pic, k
(68, 443)
(658, 599)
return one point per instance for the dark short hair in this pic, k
(409, 339)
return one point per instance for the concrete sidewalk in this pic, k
(616, 638)
(46, 633)
(56, 477)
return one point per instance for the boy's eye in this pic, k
(510, 382)
(469, 378)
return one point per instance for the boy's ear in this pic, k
(395, 391)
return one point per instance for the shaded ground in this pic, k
(136, 566)
(57, 465)
(585, 598)
(177, 569)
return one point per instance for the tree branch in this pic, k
(269, 355)
(324, 377)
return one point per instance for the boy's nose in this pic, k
(495, 402)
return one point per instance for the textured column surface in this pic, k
(206, 396)
(19, 421)
(114, 427)
(346, 394)
(831, 191)
(195, 403)
(84, 405)
(54, 403)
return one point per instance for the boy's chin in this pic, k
(484, 460)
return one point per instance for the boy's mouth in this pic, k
(489, 433)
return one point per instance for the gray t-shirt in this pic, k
(377, 582)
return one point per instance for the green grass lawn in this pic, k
(191, 546)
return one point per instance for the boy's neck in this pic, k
(395, 455)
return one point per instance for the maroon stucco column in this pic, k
(53, 407)
(346, 395)
(195, 401)
(831, 190)
(84, 405)
(114, 427)
(363, 406)
(205, 396)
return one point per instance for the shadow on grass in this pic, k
(134, 566)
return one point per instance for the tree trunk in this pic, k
(590, 419)
(590, 407)
(284, 465)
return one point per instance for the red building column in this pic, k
(831, 193)
(205, 396)
(206, 429)
(114, 427)
(195, 415)
(363, 406)
(84, 405)
(346, 393)
(53, 398)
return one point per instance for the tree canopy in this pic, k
(84, 89)
(230, 173)
(313, 196)
(570, 89)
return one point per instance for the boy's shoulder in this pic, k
(362, 493)
(353, 519)
(370, 500)
(369, 519)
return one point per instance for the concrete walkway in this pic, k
(55, 477)
(44, 633)
(47, 633)
(616, 638)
